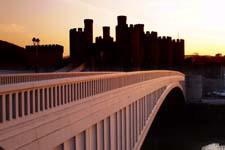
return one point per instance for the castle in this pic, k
(133, 48)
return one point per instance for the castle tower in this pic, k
(122, 30)
(178, 52)
(181, 52)
(122, 42)
(122, 20)
(88, 31)
(154, 50)
(106, 32)
(72, 36)
(169, 52)
(80, 42)
(137, 46)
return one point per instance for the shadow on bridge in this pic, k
(172, 111)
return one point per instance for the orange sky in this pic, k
(199, 22)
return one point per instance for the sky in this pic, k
(199, 22)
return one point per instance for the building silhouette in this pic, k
(81, 41)
(133, 49)
(104, 54)
(44, 56)
(151, 47)
(123, 42)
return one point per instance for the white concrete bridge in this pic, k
(81, 111)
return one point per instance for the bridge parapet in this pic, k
(30, 77)
(33, 102)
(26, 99)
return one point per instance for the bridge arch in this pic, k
(171, 109)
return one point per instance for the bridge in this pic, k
(82, 111)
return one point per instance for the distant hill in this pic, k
(12, 55)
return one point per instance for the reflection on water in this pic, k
(200, 126)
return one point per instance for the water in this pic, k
(195, 127)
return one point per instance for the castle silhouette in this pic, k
(133, 49)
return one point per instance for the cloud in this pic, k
(12, 28)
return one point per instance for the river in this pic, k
(197, 126)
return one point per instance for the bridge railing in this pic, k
(29, 77)
(24, 101)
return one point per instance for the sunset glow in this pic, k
(199, 22)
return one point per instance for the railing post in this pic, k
(113, 137)
(146, 110)
(139, 119)
(132, 126)
(69, 144)
(80, 141)
(10, 107)
(123, 129)
(100, 135)
(128, 127)
(93, 137)
(107, 137)
(3, 110)
(135, 123)
(17, 105)
(119, 129)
